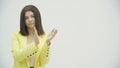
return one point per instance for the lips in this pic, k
(30, 23)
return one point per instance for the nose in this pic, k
(30, 19)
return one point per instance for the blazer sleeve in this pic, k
(21, 53)
(45, 53)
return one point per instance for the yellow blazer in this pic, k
(21, 51)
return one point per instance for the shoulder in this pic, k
(16, 34)
(43, 36)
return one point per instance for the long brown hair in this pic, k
(38, 23)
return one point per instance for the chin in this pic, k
(31, 26)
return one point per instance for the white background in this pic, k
(88, 31)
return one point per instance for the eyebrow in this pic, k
(30, 15)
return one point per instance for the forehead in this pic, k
(28, 13)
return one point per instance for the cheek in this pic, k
(34, 19)
(26, 22)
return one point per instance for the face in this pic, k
(29, 19)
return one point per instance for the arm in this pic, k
(21, 53)
(45, 53)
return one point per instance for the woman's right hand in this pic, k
(36, 36)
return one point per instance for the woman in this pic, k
(30, 45)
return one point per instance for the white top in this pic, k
(32, 60)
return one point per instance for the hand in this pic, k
(36, 36)
(35, 31)
(52, 34)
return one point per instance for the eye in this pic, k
(33, 16)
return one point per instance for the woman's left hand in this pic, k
(51, 36)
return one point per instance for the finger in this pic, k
(53, 33)
(35, 30)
